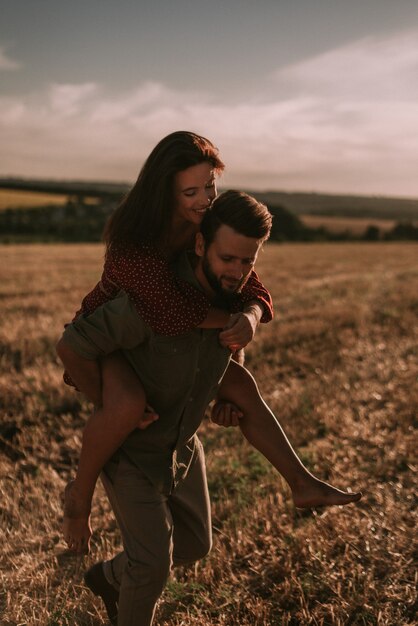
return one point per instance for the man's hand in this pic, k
(241, 328)
(225, 414)
(85, 373)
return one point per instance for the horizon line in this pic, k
(91, 181)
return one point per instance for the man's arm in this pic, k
(112, 326)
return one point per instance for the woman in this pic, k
(158, 219)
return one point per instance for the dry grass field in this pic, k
(355, 225)
(16, 198)
(339, 367)
(21, 199)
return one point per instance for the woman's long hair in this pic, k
(144, 215)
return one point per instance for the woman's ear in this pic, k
(199, 247)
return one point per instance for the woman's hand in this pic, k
(239, 331)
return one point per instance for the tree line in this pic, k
(79, 222)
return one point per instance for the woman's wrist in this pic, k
(255, 308)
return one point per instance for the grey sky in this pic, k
(290, 91)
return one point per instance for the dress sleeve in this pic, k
(167, 304)
(255, 290)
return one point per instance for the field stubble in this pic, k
(338, 365)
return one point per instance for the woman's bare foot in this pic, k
(315, 492)
(76, 520)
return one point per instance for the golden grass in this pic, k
(11, 198)
(354, 225)
(338, 365)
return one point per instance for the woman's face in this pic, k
(194, 192)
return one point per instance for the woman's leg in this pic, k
(264, 432)
(122, 411)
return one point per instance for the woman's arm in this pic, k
(169, 305)
(241, 327)
(254, 291)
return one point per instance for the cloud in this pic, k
(68, 100)
(308, 131)
(6, 63)
(373, 67)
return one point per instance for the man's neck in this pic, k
(201, 278)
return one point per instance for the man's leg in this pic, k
(190, 509)
(146, 525)
(189, 505)
(188, 515)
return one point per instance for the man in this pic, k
(156, 482)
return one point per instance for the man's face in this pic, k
(227, 263)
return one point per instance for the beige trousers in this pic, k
(158, 531)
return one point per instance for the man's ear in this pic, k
(199, 247)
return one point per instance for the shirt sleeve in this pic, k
(113, 326)
(255, 290)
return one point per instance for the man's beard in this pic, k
(225, 296)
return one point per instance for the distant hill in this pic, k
(67, 187)
(342, 205)
(377, 207)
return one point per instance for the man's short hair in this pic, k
(239, 211)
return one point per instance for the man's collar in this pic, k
(184, 266)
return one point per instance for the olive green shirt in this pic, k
(180, 376)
